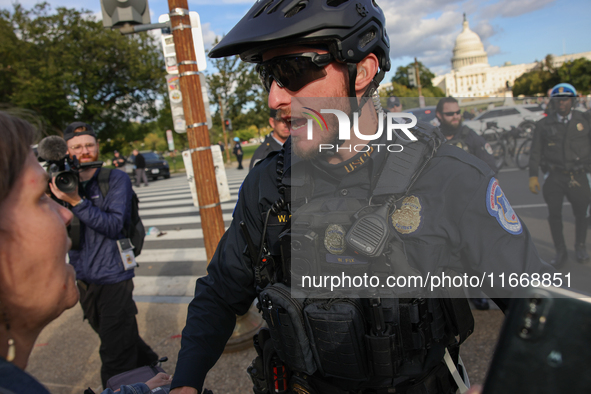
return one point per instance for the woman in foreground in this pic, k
(36, 284)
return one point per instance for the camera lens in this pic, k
(66, 181)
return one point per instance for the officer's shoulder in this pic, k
(546, 119)
(468, 129)
(266, 167)
(579, 115)
(450, 158)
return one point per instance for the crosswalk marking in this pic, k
(171, 263)
(175, 197)
(188, 234)
(180, 210)
(179, 220)
(172, 255)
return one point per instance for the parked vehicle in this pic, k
(156, 166)
(425, 114)
(523, 116)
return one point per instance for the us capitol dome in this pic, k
(468, 50)
(472, 76)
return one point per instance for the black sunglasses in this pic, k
(293, 72)
(452, 113)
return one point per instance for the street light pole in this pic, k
(418, 74)
(210, 210)
(224, 130)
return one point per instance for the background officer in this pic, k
(393, 104)
(562, 148)
(119, 161)
(238, 152)
(448, 112)
(274, 141)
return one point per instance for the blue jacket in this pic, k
(101, 224)
(14, 380)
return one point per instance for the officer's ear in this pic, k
(438, 115)
(366, 70)
(272, 123)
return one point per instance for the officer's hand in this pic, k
(159, 380)
(476, 389)
(71, 198)
(184, 390)
(534, 184)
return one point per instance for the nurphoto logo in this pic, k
(393, 125)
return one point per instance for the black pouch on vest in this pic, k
(285, 319)
(337, 330)
(385, 355)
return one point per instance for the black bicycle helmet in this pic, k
(352, 29)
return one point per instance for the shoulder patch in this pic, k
(498, 207)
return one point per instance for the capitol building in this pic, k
(472, 76)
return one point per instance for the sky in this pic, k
(516, 31)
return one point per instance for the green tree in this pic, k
(247, 133)
(409, 97)
(401, 76)
(244, 99)
(533, 82)
(401, 87)
(578, 73)
(544, 76)
(155, 142)
(65, 66)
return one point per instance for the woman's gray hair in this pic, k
(16, 138)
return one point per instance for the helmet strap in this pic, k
(355, 106)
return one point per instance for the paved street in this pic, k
(171, 263)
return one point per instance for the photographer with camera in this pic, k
(104, 281)
(36, 283)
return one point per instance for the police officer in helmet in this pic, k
(562, 148)
(445, 213)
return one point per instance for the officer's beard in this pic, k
(449, 129)
(310, 149)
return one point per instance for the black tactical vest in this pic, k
(368, 338)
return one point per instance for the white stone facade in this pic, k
(472, 76)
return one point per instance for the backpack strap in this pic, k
(103, 180)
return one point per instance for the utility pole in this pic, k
(418, 74)
(228, 159)
(210, 210)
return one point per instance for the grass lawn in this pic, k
(248, 151)
(180, 164)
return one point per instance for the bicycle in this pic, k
(503, 141)
(523, 153)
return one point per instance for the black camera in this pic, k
(65, 172)
(54, 151)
